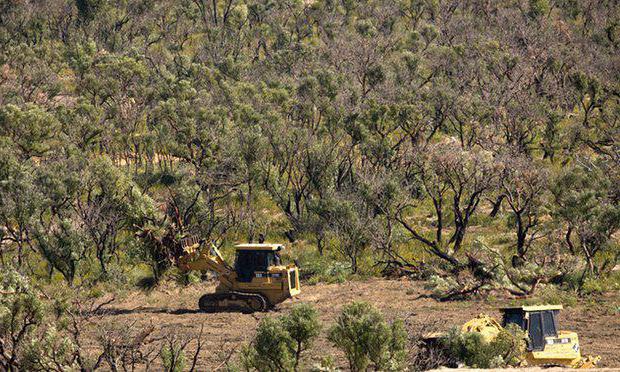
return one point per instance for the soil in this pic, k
(173, 311)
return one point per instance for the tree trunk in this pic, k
(102, 264)
(497, 205)
(319, 243)
(521, 235)
(297, 356)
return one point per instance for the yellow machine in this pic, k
(257, 282)
(546, 345)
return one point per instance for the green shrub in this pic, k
(323, 270)
(390, 356)
(589, 285)
(272, 348)
(553, 295)
(365, 337)
(280, 342)
(326, 364)
(439, 286)
(53, 351)
(600, 285)
(303, 326)
(21, 314)
(592, 286)
(473, 350)
(539, 8)
(572, 280)
(173, 357)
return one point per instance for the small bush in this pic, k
(53, 351)
(124, 347)
(592, 286)
(21, 315)
(303, 326)
(173, 357)
(280, 342)
(326, 364)
(324, 271)
(555, 296)
(272, 348)
(473, 350)
(600, 285)
(365, 337)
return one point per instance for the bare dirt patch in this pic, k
(174, 310)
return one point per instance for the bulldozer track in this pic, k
(236, 301)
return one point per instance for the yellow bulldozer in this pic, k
(546, 344)
(257, 281)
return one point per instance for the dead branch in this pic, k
(199, 344)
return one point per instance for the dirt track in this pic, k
(173, 310)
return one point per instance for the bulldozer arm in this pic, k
(487, 326)
(202, 257)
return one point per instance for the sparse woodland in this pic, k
(473, 144)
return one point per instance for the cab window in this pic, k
(536, 338)
(248, 262)
(513, 317)
(549, 328)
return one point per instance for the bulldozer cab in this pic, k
(546, 343)
(540, 322)
(253, 258)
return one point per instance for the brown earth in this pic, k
(173, 311)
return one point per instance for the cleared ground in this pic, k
(173, 310)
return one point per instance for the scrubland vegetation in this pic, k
(470, 144)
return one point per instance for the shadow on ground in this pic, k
(147, 310)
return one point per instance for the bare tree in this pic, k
(455, 180)
(524, 185)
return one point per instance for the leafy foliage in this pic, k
(279, 342)
(382, 132)
(473, 350)
(472, 143)
(21, 313)
(366, 338)
(303, 326)
(272, 347)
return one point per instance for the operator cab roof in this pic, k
(259, 247)
(533, 308)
